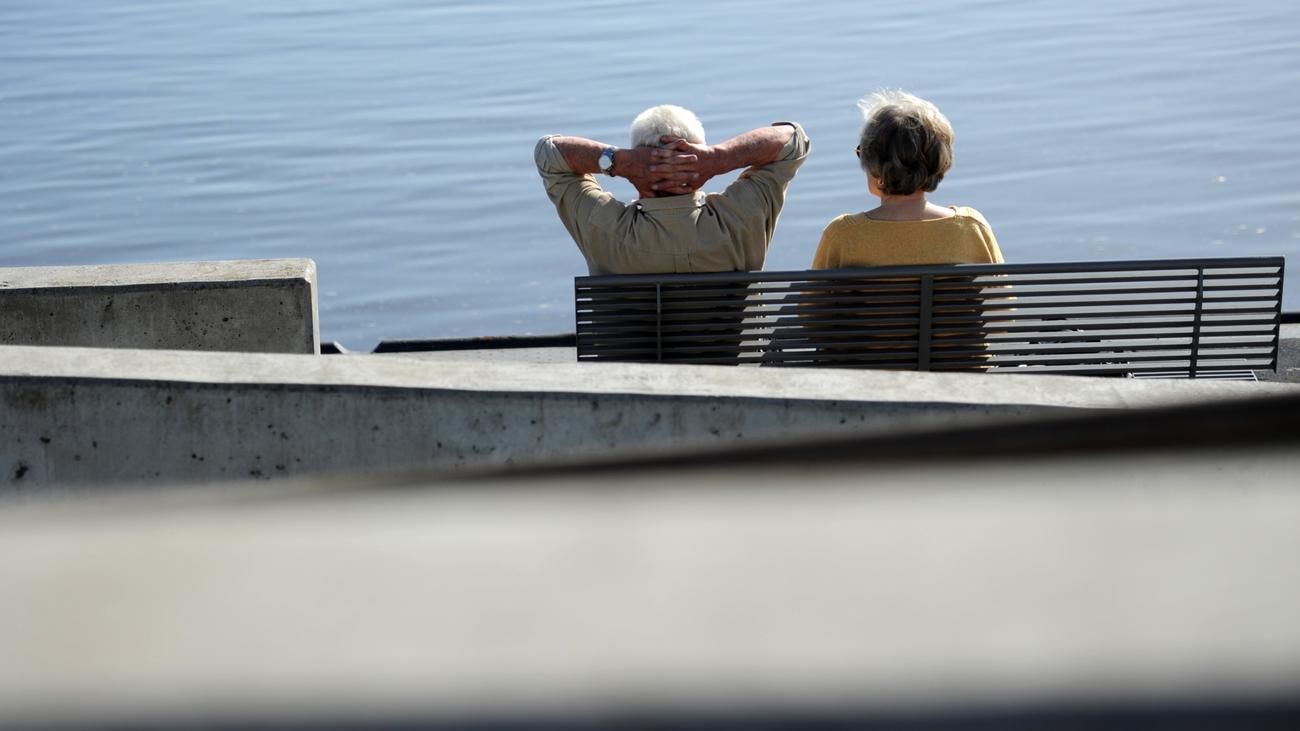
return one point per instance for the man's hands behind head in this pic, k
(687, 167)
(679, 168)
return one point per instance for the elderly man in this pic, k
(672, 227)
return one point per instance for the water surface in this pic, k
(391, 140)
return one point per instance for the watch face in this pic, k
(606, 160)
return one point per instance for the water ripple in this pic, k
(391, 141)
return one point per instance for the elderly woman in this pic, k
(905, 149)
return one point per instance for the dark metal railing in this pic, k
(1198, 316)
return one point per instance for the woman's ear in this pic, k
(873, 185)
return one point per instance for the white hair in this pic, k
(666, 119)
(873, 102)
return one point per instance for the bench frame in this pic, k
(1208, 317)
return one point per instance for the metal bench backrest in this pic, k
(1188, 317)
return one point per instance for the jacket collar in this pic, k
(672, 202)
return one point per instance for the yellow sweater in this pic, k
(853, 240)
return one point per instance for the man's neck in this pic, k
(660, 194)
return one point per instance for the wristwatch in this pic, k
(606, 161)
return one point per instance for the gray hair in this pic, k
(666, 119)
(906, 142)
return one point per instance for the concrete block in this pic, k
(72, 416)
(877, 597)
(265, 305)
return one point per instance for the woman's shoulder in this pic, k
(969, 213)
(846, 222)
(848, 219)
(979, 227)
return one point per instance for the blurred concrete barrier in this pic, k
(76, 416)
(1106, 587)
(255, 305)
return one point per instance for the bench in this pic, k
(1196, 318)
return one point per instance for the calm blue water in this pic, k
(391, 140)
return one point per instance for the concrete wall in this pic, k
(266, 306)
(874, 596)
(71, 416)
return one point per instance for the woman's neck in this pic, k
(912, 207)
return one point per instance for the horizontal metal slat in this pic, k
(1001, 302)
(1000, 335)
(795, 306)
(1225, 375)
(854, 287)
(846, 344)
(1118, 353)
(652, 342)
(1189, 286)
(1076, 315)
(1061, 325)
(897, 358)
(799, 298)
(597, 331)
(894, 311)
(670, 294)
(1218, 352)
(1084, 359)
(787, 333)
(786, 321)
(1064, 329)
(1029, 303)
(868, 286)
(809, 338)
(1274, 284)
(1101, 351)
(667, 317)
(675, 354)
(1079, 346)
(1026, 302)
(1111, 370)
(1115, 339)
(1078, 291)
(894, 323)
(1212, 264)
(1045, 280)
(1215, 273)
(667, 338)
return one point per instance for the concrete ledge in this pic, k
(939, 594)
(1288, 367)
(266, 305)
(71, 416)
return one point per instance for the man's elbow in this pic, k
(794, 141)
(541, 153)
(785, 131)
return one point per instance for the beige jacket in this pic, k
(704, 232)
